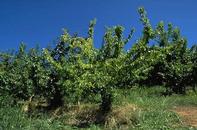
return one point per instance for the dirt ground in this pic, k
(188, 115)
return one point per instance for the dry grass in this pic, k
(84, 115)
(122, 117)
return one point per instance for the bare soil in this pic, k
(187, 114)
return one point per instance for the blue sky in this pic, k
(41, 21)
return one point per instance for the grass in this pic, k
(156, 109)
(136, 108)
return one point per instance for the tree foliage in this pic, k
(74, 69)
